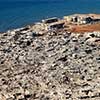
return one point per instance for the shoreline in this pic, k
(64, 19)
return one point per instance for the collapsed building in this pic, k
(52, 23)
(56, 25)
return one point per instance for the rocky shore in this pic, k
(51, 66)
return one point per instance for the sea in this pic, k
(16, 14)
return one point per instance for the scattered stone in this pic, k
(39, 65)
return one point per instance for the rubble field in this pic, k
(54, 66)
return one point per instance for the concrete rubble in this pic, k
(49, 66)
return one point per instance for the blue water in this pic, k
(20, 13)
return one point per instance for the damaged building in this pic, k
(78, 19)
